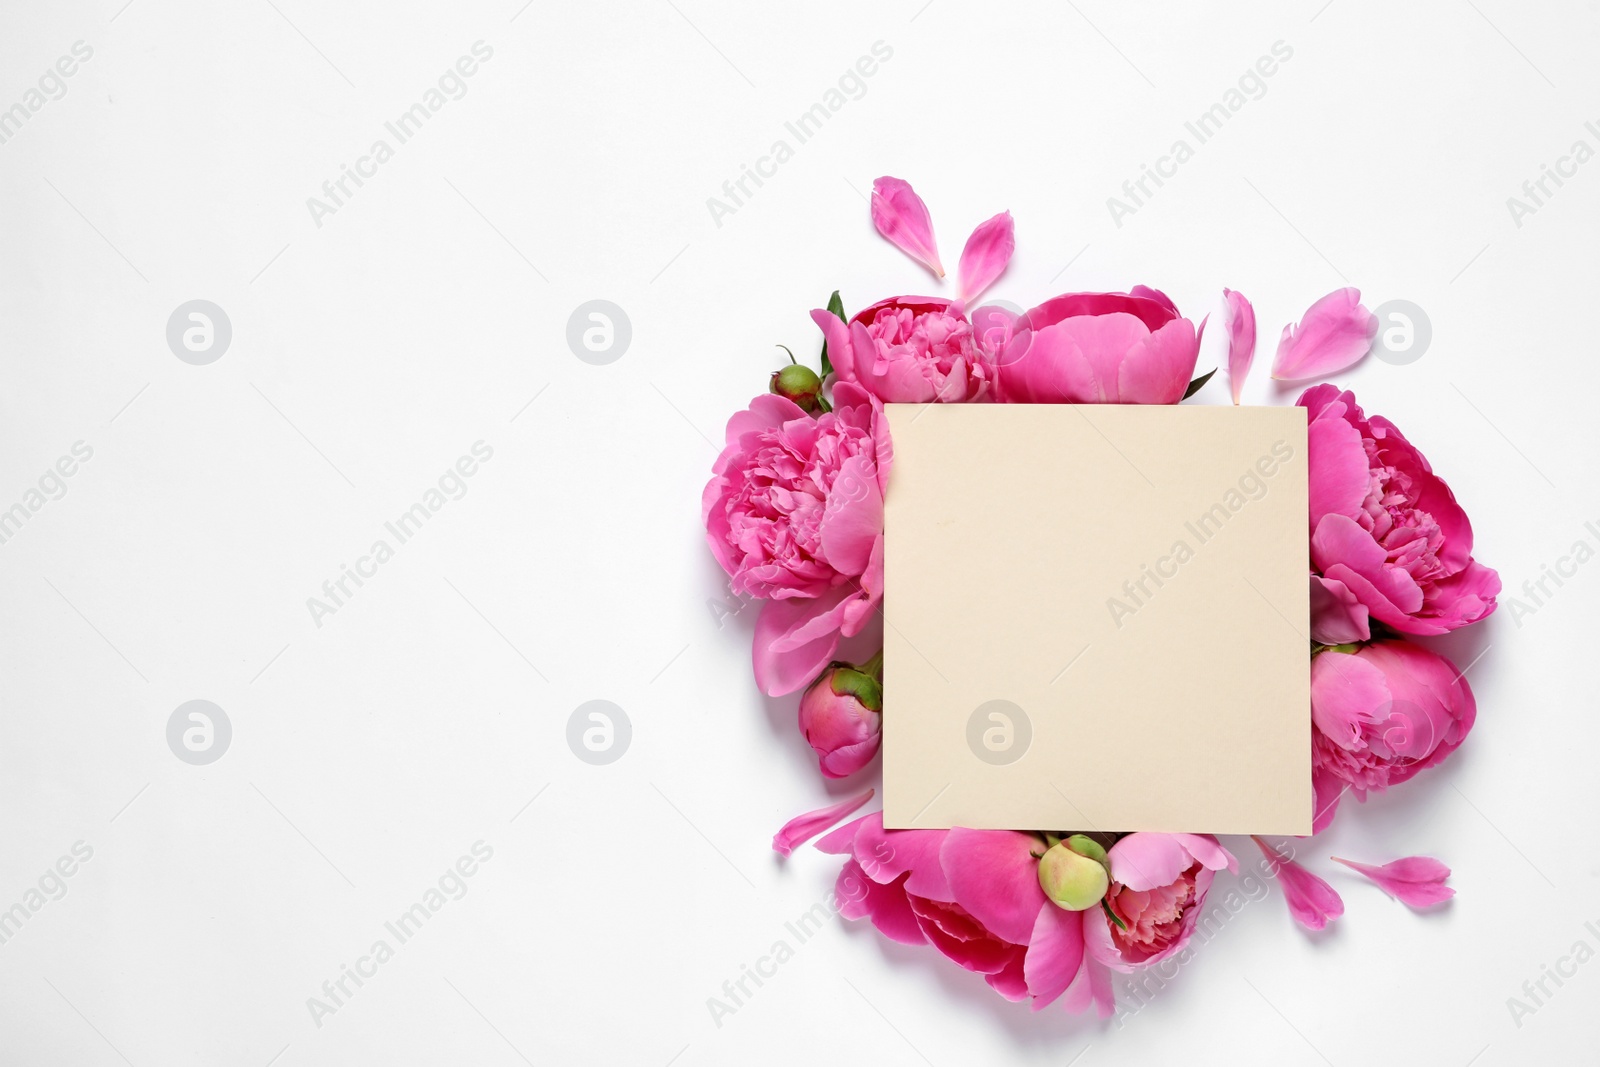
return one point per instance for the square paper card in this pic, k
(1097, 619)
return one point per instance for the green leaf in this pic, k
(1114, 918)
(836, 306)
(1199, 383)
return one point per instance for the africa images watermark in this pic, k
(52, 485)
(451, 885)
(1537, 592)
(736, 992)
(51, 886)
(1536, 992)
(452, 485)
(1141, 988)
(1537, 192)
(52, 85)
(1252, 485)
(451, 85)
(852, 85)
(1252, 85)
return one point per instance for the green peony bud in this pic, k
(798, 383)
(1073, 873)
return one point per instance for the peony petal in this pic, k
(1337, 616)
(887, 854)
(852, 518)
(985, 257)
(1312, 901)
(887, 906)
(995, 877)
(802, 828)
(1346, 690)
(1326, 792)
(795, 639)
(1416, 881)
(840, 841)
(902, 218)
(1011, 980)
(1148, 860)
(1338, 470)
(1159, 368)
(1055, 953)
(1334, 333)
(1241, 324)
(836, 335)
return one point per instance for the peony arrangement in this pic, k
(794, 514)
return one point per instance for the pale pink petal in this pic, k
(794, 639)
(995, 877)
(1241, 323)
(1416, 881)
(1159, 368)
(985, 257)
(1312, 901)
(1147, 860)
(802, 828)
(1092, 986)
(1334, 333)
(901, 216)
(1055, 953)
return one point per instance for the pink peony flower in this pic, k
(794, 513)
(973, 895)
(1380, 714)
(841, 716)
(1158, 890)
(1388, 540)
(1099, 348)
(909, 350)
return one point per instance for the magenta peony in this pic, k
(1379, 714)
(1099, 348)
(794, 513)
(1388, 540)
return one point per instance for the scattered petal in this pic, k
(985, 257)
(1334, 334)
(1312, 901)
(1241, 324)
(1416, 881)
(901, 216)
(802, 828)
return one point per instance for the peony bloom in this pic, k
(909, 350)
(1158, 890)
(794, 513)
(974, 895)
(1099, 348)
(1388, 540)
(1379, 714)
(841, 716)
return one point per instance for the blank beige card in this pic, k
(1096, 618)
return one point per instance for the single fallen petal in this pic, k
(1416, 881)
(901, 216)
(1241, 324)
(1334, 333)
(986, 254)
(802, 828)
(1312, 901)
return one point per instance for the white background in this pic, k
(372, 351)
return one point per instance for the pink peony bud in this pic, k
(841, 716)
